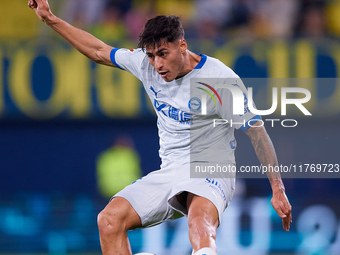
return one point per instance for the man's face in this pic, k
(167, 59)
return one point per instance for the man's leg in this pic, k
(113, 223)
(203, 222)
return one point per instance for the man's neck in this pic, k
(194, 59)
(190, 63)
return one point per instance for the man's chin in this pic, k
(167, 79)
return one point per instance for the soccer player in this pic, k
(165, 66)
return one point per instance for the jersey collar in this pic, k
(202, 62)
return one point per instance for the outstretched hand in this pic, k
(41, 8)
(283, 208)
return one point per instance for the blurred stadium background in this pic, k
(69, 128)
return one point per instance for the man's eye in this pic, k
(163, 54)
(151, 56)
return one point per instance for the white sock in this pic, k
(205, 251)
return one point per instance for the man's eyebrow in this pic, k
(158, 51)
(161, 49)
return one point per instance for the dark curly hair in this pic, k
(161, 29)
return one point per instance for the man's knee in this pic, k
(110, 222)
(117, 217)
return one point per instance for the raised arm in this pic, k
(82, 41)
(266, 154)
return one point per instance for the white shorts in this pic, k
(154, 196)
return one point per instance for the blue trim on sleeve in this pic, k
(244, 128)
(202, 62)
(112, 57)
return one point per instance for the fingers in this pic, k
(32, 4)
(287, 206)
(283, 209)
(286, 222)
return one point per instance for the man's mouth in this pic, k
(163, 73)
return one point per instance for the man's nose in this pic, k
(158, 63)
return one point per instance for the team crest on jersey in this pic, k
(194, 104)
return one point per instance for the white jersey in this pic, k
(187, 135)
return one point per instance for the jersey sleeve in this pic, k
(238, 121)
(129, 60)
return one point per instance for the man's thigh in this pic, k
(149, 197)
(218, 191)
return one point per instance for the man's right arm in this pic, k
(82, 41)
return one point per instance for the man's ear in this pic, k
(183, 46)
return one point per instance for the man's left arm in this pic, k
(266, 154)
